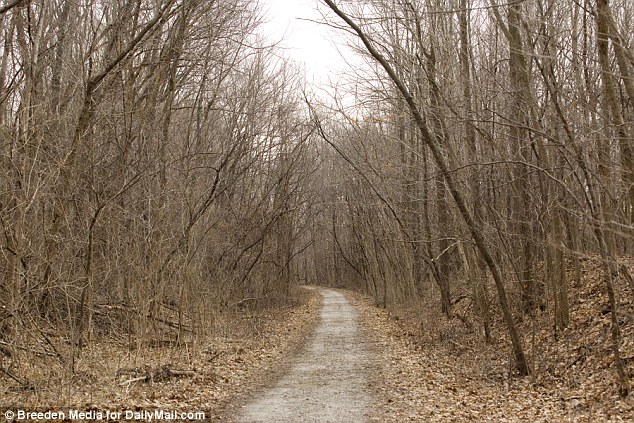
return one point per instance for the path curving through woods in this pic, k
(328, 381)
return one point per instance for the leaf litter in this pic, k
(440, 370)
(205, 376)
(425, 367)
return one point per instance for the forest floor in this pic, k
(111, 376)
(440, 370)
(403, 364)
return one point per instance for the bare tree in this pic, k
(440, 160)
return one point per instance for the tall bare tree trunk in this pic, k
(521, 362)
(608, 250)
(478, 271)
(604, 34)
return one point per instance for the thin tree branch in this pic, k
(4, 9)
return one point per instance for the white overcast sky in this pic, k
(315, 47)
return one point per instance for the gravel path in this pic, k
(328, 381)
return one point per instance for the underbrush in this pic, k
(572, 368)
(42, 369)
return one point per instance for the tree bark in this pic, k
(521, 362)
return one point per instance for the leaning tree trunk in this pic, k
(518, 350)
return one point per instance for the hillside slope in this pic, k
(442, 370)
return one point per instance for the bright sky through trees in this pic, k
(315, 47)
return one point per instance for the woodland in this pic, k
(165, 171)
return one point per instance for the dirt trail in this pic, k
(328, 380)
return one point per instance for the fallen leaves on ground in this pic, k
(204, 376)
(440, 370)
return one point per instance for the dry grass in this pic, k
(202, 374)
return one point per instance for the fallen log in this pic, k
(158, 375)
